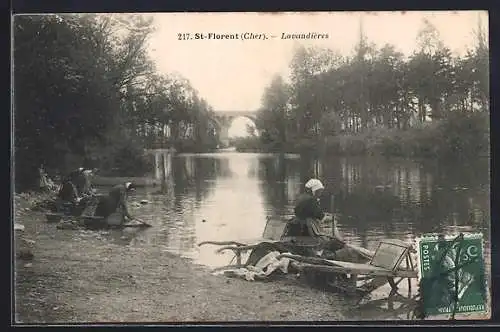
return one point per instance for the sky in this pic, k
(232, 74)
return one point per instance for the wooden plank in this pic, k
(309, 260)
(363, 251)
(357, 266)
(354, 268)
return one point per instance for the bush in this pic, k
(391, 146)
(121, 156)
(247, 144)
(195, 146)
(459, 135)
(345, 145)
(465, 134)
(129, 160)
(423, 142)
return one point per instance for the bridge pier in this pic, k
(224, 136)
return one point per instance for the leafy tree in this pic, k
(272, 118)
(85, 91)
(329, 95)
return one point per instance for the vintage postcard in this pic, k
(174, 168)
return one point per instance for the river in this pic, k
(228, 195)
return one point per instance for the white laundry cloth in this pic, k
(264, 267)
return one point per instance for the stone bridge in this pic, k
(224, 119)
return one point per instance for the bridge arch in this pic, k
(224, 119)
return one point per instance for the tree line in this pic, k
(352, 103)
(86, 93)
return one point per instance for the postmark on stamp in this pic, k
(452, 274)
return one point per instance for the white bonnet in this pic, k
(314, 184)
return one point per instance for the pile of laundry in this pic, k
(262, 269)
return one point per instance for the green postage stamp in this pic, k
(452, 274)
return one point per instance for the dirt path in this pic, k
(79, 276)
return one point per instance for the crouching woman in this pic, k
(113, 207)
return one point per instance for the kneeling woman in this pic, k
(69, 198)
(309, 216)
(115, 202)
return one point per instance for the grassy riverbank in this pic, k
(83, 276)
(459, 136)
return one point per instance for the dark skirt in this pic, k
(67, 192)
(310, 228)
(298, 227)
(105, 207)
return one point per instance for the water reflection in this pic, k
(228, 196)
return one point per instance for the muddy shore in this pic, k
(80, 276)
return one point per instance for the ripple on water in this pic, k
(227, 196)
